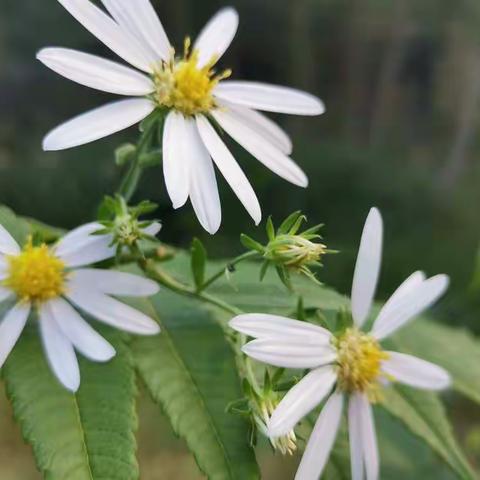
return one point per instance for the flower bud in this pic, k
(294, 252)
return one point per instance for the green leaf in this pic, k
(454, 349)
(190, 371)
(269, 296)
(87, 436)
(198, 262)
(424, 415)
(288, 223)
(18, 228)
(251, 244)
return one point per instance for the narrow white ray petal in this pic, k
(290, 352)
(175, 159)
(355, 437)
(216, 36)
(415, 372)
(369, 438)
(80, 247)
(152, 229)
(407, 287)
(82, 336)
(203, 184)
(94, 250)
(110, 33)
(113, 282)
(11, 327)
(410, 305)
(59, 351)
(321, 440)
(8, 245)
(140, 19)
(367, 268)
(269, 98)
(96, 72)
(260, 325)
(301, 400)
(112, 312)
(229, 168)
(79, 235)
(98, 123)
(262, 124)
(253, 141)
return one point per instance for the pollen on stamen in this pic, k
(360, 360)
(184, 86)
(35, 275)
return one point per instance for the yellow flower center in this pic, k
(35, 275)
(359, 363)
(183, 86)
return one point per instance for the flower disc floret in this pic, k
(35, 275)
(360, 360)
(184, 86)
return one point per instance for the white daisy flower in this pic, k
(352, 366)
(196, 96)
(51, 280)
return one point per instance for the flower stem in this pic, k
(130, 181)
(230, 265)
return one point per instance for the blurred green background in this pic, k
(401, 81)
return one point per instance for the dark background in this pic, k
(401, 82)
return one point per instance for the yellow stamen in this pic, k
(359, 363)
(183, 86)
(35, 275)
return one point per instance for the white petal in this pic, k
(92, 251)
(152, 229)
(291, 352)
(259, 325)
(113, 282)
(229, 168)
(260, 148)
(8, 245)
(110, 33)
(98, 123)
(415, 372)
(175, 159)
(112, 312)
(369, 438)
(262, 124)
(96, 72)
(355, 437)
(411, 304)
(203, 184)
(301, 400)
(269, 98)
(407, 287)
(59, 351)
(79, 247)
(70, 241)
(367, 269)
(321, 440)
(11, 328)
(82, 336)
(140, 19)
(216, 36)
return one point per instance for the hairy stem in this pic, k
(130, 181)
(230, 265)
